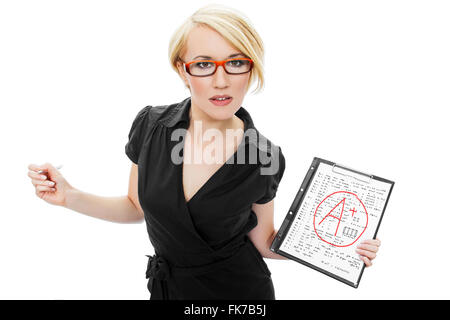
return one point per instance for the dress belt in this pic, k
(159, 268)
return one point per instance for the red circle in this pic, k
(314, 220)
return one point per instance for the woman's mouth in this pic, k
(221, 100)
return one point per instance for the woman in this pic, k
(210, 222)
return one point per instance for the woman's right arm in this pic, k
(121, 209)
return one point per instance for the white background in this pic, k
(362, 83)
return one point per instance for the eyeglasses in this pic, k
(204, 68)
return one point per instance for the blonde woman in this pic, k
(210, 221)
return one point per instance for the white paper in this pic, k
(339, 210)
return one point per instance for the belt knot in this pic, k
(157, 267)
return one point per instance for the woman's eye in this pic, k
(236, 63)
(203, 64)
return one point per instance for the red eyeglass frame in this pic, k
(217, 64)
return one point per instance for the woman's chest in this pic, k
(201, 164)
(179, 175)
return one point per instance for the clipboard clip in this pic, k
(354, 171)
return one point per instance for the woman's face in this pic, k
(204, 41)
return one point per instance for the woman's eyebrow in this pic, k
(230, 56)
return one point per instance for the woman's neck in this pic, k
(196, 114)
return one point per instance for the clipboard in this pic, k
(324, 224)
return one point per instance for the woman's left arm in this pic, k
(263, 234)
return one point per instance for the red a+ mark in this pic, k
(340, 217)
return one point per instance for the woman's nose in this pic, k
(221, 77)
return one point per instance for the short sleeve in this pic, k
(273, 180)
(140, 125)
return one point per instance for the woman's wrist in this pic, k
(72, 195)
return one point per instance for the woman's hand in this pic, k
(367, 250)
(52, 193)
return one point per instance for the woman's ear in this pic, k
(182, 73)
(180, 67)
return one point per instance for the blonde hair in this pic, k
(234, 26)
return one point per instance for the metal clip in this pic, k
(354, 171)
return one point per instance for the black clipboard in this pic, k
(296, 204)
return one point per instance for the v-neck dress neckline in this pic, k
(218, 172)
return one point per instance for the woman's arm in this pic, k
(53, 188)
(264, 233)
(115, 209)
(124, 209)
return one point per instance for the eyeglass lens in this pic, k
(203, 68)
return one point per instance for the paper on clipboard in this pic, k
(334, 210)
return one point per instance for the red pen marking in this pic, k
(362, 214)
(340, 217)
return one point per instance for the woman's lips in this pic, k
(221, 103)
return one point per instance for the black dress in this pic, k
(202, 250)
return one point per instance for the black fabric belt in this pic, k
(159, 268)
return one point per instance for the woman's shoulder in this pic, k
(261, 143)
(155, 113)
(272, 165)
(143, 124)
(269, 154)
(254, 135)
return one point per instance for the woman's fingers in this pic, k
(366, 260)
(34, 167)
(375, 242)
(33, 173)
(37, 176)
(42, 182)
(367, 247)
(39, 169)
(44, 188)
(39, 179)
(371, 255)
(367, 250)
(44, 169)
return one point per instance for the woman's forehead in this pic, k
(205, 43)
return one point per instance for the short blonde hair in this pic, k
(234, 26)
